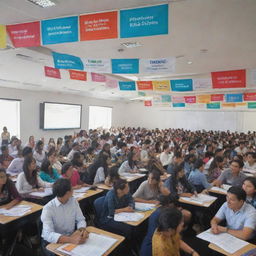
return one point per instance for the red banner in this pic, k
(98, 26)
(229, 79)
(98, 77)
(147, 103)
(217, 97)
(52, 72)
(25, 35)
(77, 75)
(250, 96)
(190, 99)
(144, 85)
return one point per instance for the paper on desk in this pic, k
(78, 195)
(95, 245)
(199, 199)
(226, 186)
(144, 206)
(128, 216)
(81, 190)
(46, 192)
(16, 211)
(225, 241)
(128, 174)
(143, 170)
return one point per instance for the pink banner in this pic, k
(190, 99)
(98, 77)
(111, 83)
(52, 72)
(178, 99)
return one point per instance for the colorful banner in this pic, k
(142, 94)
(78, 75)
(228, 105)
(98, 77)
(157, 100)
(203, 98)
(148, 103)
(229, 79)
(2, 36)
(25, 34)
(241, 105)
(182, 85)
(202, 84)
(146, 21)
(236, 97)
(251, 104)
(161, 85)
(250, 96)
(190, 99)
(163, 65)
(178, 105)
(61, 30)
(125, 66)
(217, 97)
(144, 85)
(66, 61)
(52, 72)
(127, 86)
(215, 105)
(166, 98)
(97, 65)
(111, 83)
(98, 26)
(178, 99)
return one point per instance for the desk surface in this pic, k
(103, 186)
(207, 204)
(6, 219)
(146, 215)
(238, 253)
(89, 193)
(120, 239)
(131, 178)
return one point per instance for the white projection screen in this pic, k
(61, 116)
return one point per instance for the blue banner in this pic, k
(182, 85)
(125, 66)
(146, 21)
(178, 105)
(127, 86)
(66, 61)
(61, 30)
(237, 97)
(166, 98)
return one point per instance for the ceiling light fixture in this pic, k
(43, 3)
(189, 62)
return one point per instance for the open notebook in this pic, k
(128, 216)
(46, 192)
(16, 211)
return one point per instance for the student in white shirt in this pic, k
(241, 150)
(166, 156)
(13, 147)
(75, 148)
(129, 166)
(39, 153)
(250, 164)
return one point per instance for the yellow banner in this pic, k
(161, 85)
(2, 36)
(203, 98)
(241, 104)
(228, 105)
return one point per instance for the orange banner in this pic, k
(144, 85)
(77, 75)
(228, 105)
(203, 98)
(161, 85)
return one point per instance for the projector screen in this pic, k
(60, 116)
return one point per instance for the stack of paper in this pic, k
(46, 192)
(18, 210)
(223, 189)
(81, 190)
(199, 199)
(144, 206)
(128, 216)
(95, 245)
(225, 241)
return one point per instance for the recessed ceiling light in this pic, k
(131, 44)
(43, 3)
(189, 62)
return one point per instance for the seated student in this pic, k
(65, 149)
(250, 164)
(241, 149)
(249, 186)
(39, 153)
(120, 155)
(106, 150)
(197, 178)
(52, 157)
(166, 240)
(75, 148)
(149, 190)
(144, 150)
(166, 156)
(13, 147)
(154, 163)
(9, 195)
(112, 176)
(28, 181)
(50, 145)
(232, 176)
(47, 172)
(16, 165)
(177, 159)
(189, 163)
(178, 184)
(129, 165)
(62, 218)
(90, 155)
(78, 162)
(5, 158)
(215, 168)
(31, 142)
(239, 215)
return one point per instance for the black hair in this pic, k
(52, 151)
(239, 162)
(26, 151)
(252, 180)
(38, 144)
(165, 146)
(65, 167)
(61, 187)
(199, 163)
(130, 160)
(75, 161)
(45, 167)
(31, 179)
(167, 200)
(155, 174)
(113, 174)
(253, 154)
(119, 184)
(213, 165)
(239, 192)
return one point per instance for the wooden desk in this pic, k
(35, 208)
(206, 205)
(120, 239)
(132, 178)
(103, 186)
(238, 253)
(89, 193)
(146, 215)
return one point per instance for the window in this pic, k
(10, 116)
(100, 117)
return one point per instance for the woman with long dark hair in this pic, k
(129, 165)
(48, 173)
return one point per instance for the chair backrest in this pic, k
(98, 207)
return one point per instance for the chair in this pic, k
(98, 207)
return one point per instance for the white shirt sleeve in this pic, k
(100, 175)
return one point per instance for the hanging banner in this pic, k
(190, 99)
(125, 66)
(98, 26)
(241, 105)
(60, 30)
(142, 94)
(217, 97)
(178, 99)
(237, 97)
(215, 105)
(25, 34)
(145, 21)
(202, 84)
(251, 104)
(157, 100)
(166, 98)
(97, 65)
(182, 85)
(66, 61)
(203, 98)
(3, 36)
(127, 86)
(229, 79)
(195, 106)
(228, 105)
(178, 105)
(98, 77)
(164, 65)
(144, 85)
(77, 75)
(111, 83)
(161, 85)
(147, 103)
(52, 72)
(250, 96)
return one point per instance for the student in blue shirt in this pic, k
(48, 173)
(197, 178)
(189, 163)
(249, 186)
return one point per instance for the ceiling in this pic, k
(212, 34)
